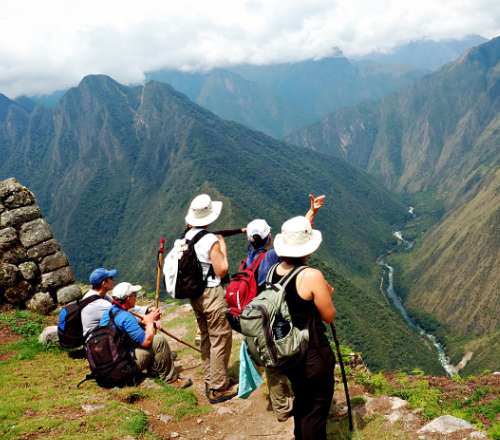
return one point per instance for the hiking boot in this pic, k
(216, 396)
(181, 383)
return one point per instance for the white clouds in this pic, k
(53, 44)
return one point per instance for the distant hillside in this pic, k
(279, 98)
(115, 167)
(426, 53)
(438, 142)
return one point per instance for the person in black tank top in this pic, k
(309, 299)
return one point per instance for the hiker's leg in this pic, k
(200, 314)
(143, 358)
(220, 334)
(163, 364)
(279, 393)
(313, 394)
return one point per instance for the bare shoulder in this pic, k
(312, 275)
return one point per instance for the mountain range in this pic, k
(437, 143)
(114, 168)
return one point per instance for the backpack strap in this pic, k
(255, 263)
(199, 235)
(85, 302)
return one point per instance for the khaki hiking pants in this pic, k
(279, 393)
(157, 360)
(216, 336)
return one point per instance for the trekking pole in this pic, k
(159, 268)
(344, 377)
(170, 334)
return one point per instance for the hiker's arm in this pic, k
(322, 295)
(230, 232)
(315, 204)
(149, 327)
(218, 257)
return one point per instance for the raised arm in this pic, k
(315, 203)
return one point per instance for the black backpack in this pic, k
(190, 282)
(69, 325)
(110, 356)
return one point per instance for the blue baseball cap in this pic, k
(100, 274)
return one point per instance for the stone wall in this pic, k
(34, 271)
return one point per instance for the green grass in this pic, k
(40, 398)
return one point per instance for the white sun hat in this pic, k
(203, 211)
(258, 227)
(123, 290)
(297, 238)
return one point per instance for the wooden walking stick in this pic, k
(187, 344)
(159, 270)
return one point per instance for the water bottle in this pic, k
(281, 327)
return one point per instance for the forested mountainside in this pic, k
(115, 167)
(438, 142)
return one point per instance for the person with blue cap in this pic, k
(102, 281)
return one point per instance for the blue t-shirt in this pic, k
(269, 260)
(127, 322)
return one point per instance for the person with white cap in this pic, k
(210, 306)
(259, 241)
(309, 300)
(152, 353)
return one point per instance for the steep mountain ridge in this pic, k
(437, 142)
(115, 167)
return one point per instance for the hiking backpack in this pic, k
(69, 325)
(242, 287)
(110, 357)
(271, 337)
(183, 271)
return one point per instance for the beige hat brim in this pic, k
(204, 221)
(300, 250)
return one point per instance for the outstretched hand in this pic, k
(316, 202)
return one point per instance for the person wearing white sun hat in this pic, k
(309, 299)
(260, 242)
(210, 307)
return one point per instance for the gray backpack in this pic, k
(271, 338)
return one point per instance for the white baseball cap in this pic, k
(297, 238)
(258, 227)
(123, 290)
(203, 211)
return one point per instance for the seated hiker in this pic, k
(151, 349)
(102, 281)
(259, 241)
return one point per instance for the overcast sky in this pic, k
(51, 44)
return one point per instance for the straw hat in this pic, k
(203, 211)
(297, 238)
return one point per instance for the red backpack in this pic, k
(242, 287)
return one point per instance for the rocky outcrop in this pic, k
(34, 271)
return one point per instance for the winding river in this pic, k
(390, 293)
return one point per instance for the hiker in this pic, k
(259, 241)
(102, 281)
(210, 306)
(309, 299)
(151, 350)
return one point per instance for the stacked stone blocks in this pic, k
(34, 271)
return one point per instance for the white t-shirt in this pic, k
(202, 249)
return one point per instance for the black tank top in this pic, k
(303, 313)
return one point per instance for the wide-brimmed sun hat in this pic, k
(258, 227)
(203, 211)
(297, 238)
(123, 290)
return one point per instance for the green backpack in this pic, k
(272, 339)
